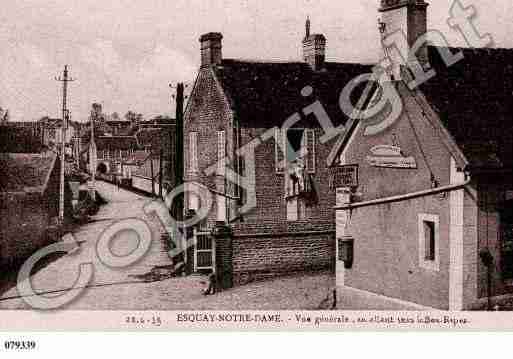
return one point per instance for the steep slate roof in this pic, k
(25, 172)
(474, 99)
(265, 94)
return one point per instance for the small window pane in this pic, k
(429, 240)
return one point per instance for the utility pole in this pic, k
(161, 171)
(65, 115)
(152, 176)
(179, 140)
(93, 158)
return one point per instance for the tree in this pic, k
(133, 117)
(4, 116)
(115, 116)
(98, 118)
(97, 113)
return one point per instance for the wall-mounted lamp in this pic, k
(346, 251)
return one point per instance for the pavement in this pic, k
(123, 289)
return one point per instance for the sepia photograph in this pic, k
(295, 164)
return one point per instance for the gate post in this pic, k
(224, 254)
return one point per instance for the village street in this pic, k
(123, 289)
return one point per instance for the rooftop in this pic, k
(25, 172)
(265, 94)
(474, 99)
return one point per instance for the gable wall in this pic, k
(378, 182)
(386, 247)
(208, 112)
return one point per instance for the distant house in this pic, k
(430, 222)
(235, 102)
(113, 151)
(119, 127)
(52, 132)
(29, 203)
(158, 139)
(135, 159)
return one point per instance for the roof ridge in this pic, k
(292, 62)
(472, 48)
(265, 61)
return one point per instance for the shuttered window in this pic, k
(193, 152)
(309, 144)
(279, 146)
(221, 152)
(292, 209)
(221, 208)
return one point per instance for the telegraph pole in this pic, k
(179, 140)
(93, 159)
(65, 115)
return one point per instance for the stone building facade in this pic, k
(429, 224)
(245, 113)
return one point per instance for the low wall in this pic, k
(144, 184)
(262, 256)
(23, 227)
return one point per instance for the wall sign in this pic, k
(390, 157)
(343, 176)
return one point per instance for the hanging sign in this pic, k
(390, 157)
(343, 176)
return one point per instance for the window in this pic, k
(296, 209)
(221, 208)
(297, 145)
(292, 210)
(278, 150)
(221, 152)
(301, 209)
(428, 228)
(194, 201)
(429, 240)
(193, 152)
(298, 164)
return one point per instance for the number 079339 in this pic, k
(19, 345)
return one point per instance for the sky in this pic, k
(125, 53)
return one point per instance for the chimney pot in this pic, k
(314, 49)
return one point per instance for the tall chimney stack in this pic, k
(211, 49)
(314, 49)
(410, 17)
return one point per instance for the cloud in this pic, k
(25, 86)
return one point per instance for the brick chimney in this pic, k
(410, 16)
(314, 49)
(211, 49)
